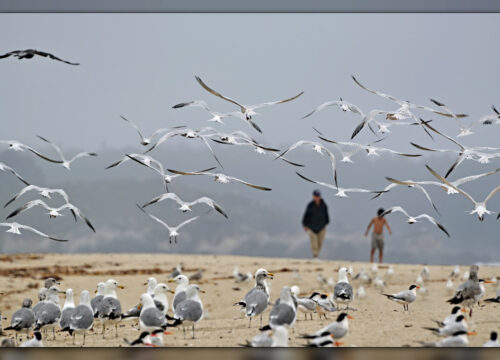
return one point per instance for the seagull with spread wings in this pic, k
(221, 178)
(247, 110)
(479, 206)
(53, 211)
(216, 116)
(341, 192)
(42, 191)
(415, 219)
(172, 230)
(15, 228)
(65, 163)
(30, 53)
(187, 205)
(147, 140)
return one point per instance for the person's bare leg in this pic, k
(380, 256)
(371, 255)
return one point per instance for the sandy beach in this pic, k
(378, 321)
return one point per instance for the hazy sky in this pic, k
(139, 65)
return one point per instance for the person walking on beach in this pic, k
(314, 222)
(378, 223)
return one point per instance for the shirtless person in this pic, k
(378, 223)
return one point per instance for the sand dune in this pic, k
(378, 321)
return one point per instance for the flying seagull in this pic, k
(464, 153)
(147, 140)
(479, 206)
(341, 104)
(43, 191)
(15, 228)
(414, 219)
(320, 149)
(64, 162)
(221, 178)
(30, 53)
(186, 206)
(216, 116)
(341, 192)
(247, 110)
(4, 167)
(53, 212)
(173, 230)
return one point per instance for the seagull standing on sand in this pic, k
(257, 299)
(82, 317)
(68, 307)
(96, 300)
(50, 313)
(180, 291)
(190, 311)
(151, 318)
(469, 292)
(404, 297)
(109, 310)
(23, 319)
(284, 312)
(342, 292)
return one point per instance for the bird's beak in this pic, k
(171, 281)
(121, 287)
(139, 306)
(350, 317)
(464, 310)
(418, 287)
(472, 333)
(488, 282)
(95, 291)
(61, 292)
(32, 334)
(145, 283)
(338, 343)
(203, 291)
(270, 275)
(171, 291)
(168, 333)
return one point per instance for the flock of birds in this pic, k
(151, 312)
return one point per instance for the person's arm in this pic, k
(305, 218)
(388, 227)
(327, 218)
(368, 228)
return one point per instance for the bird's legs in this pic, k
(74, 338)
(193, 331)
(53, 333)
(116, 329)
(249, 321)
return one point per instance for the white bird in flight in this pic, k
(187, 206)
(479, 206)
(63, 161)
(15, 228)
(341, 192)
(42, 191)
(414, 219)
(4, 167)
(216, 116)
(247, 110)
(147, 140)
(53, 212)
(172, 230)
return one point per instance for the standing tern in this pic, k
(4, 167)
(247, 110)
(458, 339)
(53, 211)
(338, 329)
(479, 206)
(455, 311)
(404, 297)
(221, 178)
(147, 140)
(172, 230)
(15, 228)
(30, 53)
(187, 206)
(459, 324)
(65, 163)
(414, 219)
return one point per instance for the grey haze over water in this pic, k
(139, 65)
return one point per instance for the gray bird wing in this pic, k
(256, 301)
(343, 291)
(282, 314)
(189, 310)
(82, 318)
(152, 317)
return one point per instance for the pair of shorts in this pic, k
(377, 241)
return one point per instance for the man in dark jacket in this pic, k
(314, 222)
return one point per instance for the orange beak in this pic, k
(337, 343)
(121, 287)
(464, 310)
(350, 317)
(168, 333)
(418, 287)
(472, 333)
(488, 282)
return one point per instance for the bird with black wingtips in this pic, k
(455, 311)
(404, 297)
(82, 317)
(64, 162)
(30, 53)
(189, 311)
(449, 329)
(109, 310)
(338, 329)
(468, 292)
(284, 312)
(5, 167)
(257, 299)
(67, 310)
(342, 292)
(22, 320)
(50, 313)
